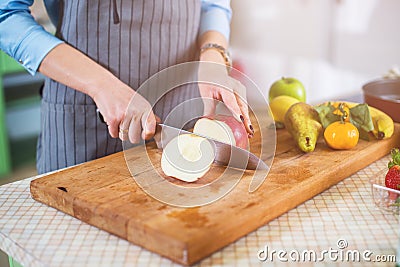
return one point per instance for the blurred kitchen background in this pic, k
(20, 112)
(332, 46)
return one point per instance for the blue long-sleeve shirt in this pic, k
(26, 41)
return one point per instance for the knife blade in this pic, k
(226, 154)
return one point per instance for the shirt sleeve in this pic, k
(216, 15)
(22, 37)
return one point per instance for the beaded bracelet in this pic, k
(224, 53)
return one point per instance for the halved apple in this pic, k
(187, 157)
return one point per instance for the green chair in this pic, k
(7, 65)
(13, 263)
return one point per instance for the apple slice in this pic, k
(223, 128)
(187, 157)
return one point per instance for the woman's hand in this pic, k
(127, 114)
(231, 91)
(69, 66)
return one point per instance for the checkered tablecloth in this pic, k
(336, 225)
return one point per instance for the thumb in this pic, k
(210, 105)
(149, 124)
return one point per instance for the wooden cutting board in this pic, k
(103, 193)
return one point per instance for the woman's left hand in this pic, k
(231, 91)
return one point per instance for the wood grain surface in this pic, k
(103, 193)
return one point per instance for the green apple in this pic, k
(288, 86)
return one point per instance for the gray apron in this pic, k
(134, 39)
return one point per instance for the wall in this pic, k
(333, 47)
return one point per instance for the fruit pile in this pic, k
(342, 123)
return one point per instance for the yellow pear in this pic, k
(302, 122)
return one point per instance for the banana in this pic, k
(383, 123)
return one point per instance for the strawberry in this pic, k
(392, 179)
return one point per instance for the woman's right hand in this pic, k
(125, 111)
(127, 114)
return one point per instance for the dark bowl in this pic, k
(384, 94)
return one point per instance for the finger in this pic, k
(209, 103)
(245, 112)
(158, 120)
(113, 131)
(123, 127)
(157, 135)
(229, 98)
(123, 134)
(149, 124)
(135, 129)
(113, 128)
(240, 94)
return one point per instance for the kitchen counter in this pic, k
(342, 218)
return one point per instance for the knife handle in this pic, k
(101, 118)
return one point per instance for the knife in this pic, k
(225, 154)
